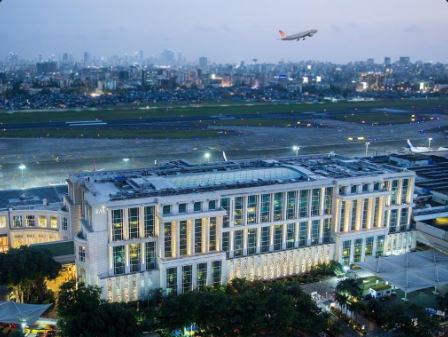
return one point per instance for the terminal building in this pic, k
(33, 216)
(181, 226)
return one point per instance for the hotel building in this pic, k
(181, 226)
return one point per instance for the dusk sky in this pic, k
(227, 30)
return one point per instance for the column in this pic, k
(258, 240)
(296, 235)
(175, 238)
(245, 242)
(141, 222)
(125, 224)
(284, 232)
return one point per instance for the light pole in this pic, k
(207, 156)
(429, 142)
(367, 148)
(22, 168)
(126, 161)
(296, 149)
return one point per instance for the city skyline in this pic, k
(347, 31)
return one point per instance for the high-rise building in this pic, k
(404, 60)
(180, 226)
(86, 58)
(387, 61)
(203, 62)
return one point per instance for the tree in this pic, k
(83, 314)
(25, 270)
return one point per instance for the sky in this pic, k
(228, 30)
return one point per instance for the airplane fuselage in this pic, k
(299, 36)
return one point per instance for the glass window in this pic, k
(404, 191)
(365, 213)
(278, 206)
(17, 221)
(53, 222)
(64, 224)
(315, 232)
(369, 246)
(346, 248)
(4, 243)
(150, 258)
(133, 222)
(278, 237)
(303, 234)
(201, 275)
(238, 243)
(358, 250)
(134, 257)
(149, 221)
(404, 218)
(30, 221)
(2, 221)
(166, 210)
(365, 187)
(327, 231)
(251, 241)
(171, 281)
(216, 273)
(182, 208)
(238, 213)
(328, 201)
(265, 215)
(379, 245)
(225, 204)
(291, 203)
(198, 236)
(119, 262)
(197, 207)
(183, 231)
(354, 214)
(226, 242)
(393, 221)
(303, 206)
(376, 186)
(212, 204)
(212, 234)
(290, 235)
(265, 238)
(187, 282)
(117, 224)
(82, 253)
(342, 218)
(168, 239)
(354, 188)
(376, 213)
(252, 209)
(394, 192)
(315, 202)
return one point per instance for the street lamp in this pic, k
(429, 142)
(207, 156)
(22, 168)
(126, 161)
(296, 149)
(367, 148)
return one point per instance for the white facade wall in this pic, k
(281, 256)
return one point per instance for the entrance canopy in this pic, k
(410, 271)
(17, 313)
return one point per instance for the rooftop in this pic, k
(180, 177)
(32, 197)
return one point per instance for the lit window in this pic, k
(82, 253)
(42, 221)
(53, 222)
(2, 221)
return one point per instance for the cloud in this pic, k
(413, 29)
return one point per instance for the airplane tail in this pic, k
(282, 34)
(410, 146)
(224, 156)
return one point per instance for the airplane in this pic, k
(297, 37)
(423, 149)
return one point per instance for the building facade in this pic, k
(33, 216)
(179, 227)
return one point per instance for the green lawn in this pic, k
(117, 113)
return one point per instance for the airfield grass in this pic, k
(112, 133)
(333, 109)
